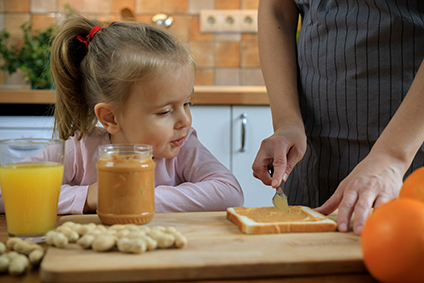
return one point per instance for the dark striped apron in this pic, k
(357, 60)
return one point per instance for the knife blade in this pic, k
(280, 200)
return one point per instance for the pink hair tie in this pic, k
(86, 39)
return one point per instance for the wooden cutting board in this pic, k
(216, 249)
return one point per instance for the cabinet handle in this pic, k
(243, 132)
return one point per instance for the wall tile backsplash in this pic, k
(222, 58)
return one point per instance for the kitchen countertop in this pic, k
(203, 95)
(33, 275)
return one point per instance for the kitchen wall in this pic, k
(222, 58)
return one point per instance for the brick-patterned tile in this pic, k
(227, 5)
(194, 6)
(252, 77)
(96, 6)
(180, 27)
(227, 76)
(43, 6)
(16, 6)
(175, 6)
(148, 6)
(249, 54)
(74, 4)
(204, 76)
(195, 33)
(227, 54)
(203, 52)
(42, 21)
(249, 4)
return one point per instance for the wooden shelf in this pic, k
(203, 95)
(27, 96)
(230, 95)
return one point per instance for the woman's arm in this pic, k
(277, 27)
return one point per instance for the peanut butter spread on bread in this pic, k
(272, 214)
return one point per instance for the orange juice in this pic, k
(31, 192)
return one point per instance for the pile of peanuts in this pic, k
(128, 238)
(21, 255)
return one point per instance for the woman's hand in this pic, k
(373, 182)
(378, 178)
(281, 151)
(91, 201)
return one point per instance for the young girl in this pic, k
(137, 81)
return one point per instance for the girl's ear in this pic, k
(106, 115)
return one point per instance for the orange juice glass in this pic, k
(126, 184)
(31, 173)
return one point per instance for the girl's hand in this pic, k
(91, 201)
(372, 183)
(281, 151)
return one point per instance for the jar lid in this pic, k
(125, 151)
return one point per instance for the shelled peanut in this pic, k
(22, 254)
(126, 238)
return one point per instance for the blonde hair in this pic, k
(117, 57)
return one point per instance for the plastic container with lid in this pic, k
(126, 184)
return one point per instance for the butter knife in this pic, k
(280, 200)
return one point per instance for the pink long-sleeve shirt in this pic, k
(194, 180)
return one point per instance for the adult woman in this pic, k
(331, 108)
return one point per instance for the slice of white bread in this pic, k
(317, 222)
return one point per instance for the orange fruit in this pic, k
(413, 187)
(392, 241)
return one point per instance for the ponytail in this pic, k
(73, 111)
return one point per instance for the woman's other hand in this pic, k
(373, 182)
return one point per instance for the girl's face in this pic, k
(158, 112)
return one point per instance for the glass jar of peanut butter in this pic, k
(126, 184)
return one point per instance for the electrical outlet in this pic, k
(210, 21)
(230, 20)
(227, 21)
(248, 21)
